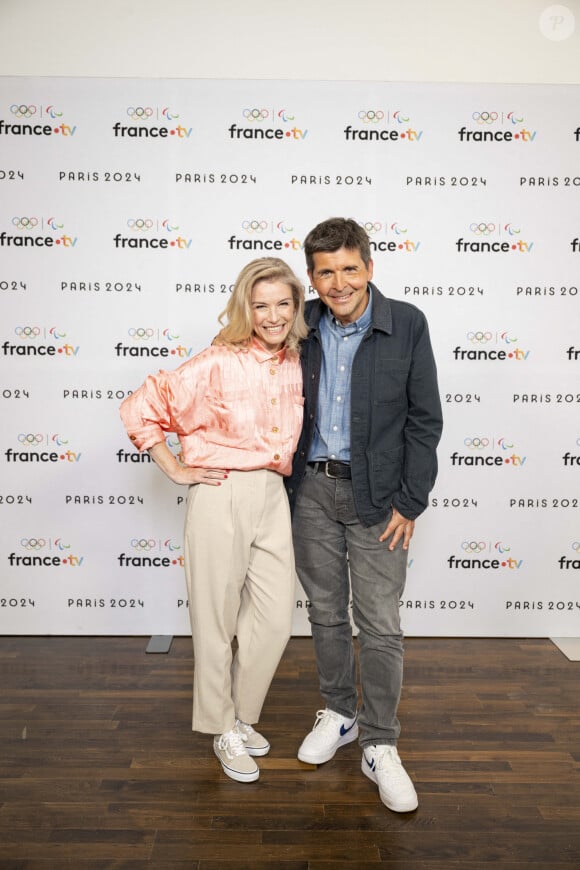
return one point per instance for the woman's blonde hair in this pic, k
(237, 316)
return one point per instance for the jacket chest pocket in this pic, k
(390, 377)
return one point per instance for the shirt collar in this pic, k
(360, 325)
(262, 355)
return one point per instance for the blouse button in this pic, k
(272, 371)
(276, 456)
(275, 429)
(274, 401)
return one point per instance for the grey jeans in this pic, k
(328, 541)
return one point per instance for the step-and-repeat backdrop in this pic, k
(127, 209)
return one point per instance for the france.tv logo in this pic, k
(489, 237)
(149, 552)
(484, 451)
(258, 234)
(479, 554)
(152, 341)
(29, 231)
(566, 563)
(29, 119)
(491, 345)
(273, 124)
(34, 340)
(382, 125)
(151, 122)
(390, 236)
(496, 126)
(152, 233)
(36, 447)
(45, 553)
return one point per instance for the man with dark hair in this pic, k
(362, 473)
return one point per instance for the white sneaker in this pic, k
(236, 762)
(330, 731)
(383, 766)
(255, 743)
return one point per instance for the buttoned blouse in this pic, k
(230, 408)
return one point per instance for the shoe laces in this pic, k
(232, 742)
(243, 729)
(325, 719)
(387, 758)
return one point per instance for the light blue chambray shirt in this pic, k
(339, 346)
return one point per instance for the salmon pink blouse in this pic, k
(232, 409)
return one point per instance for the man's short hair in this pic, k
(335, 233)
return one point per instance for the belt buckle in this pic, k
(326, 471)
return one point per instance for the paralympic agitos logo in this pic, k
(29, 119)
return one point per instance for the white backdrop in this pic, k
(127, 209)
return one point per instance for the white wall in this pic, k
(384, 40)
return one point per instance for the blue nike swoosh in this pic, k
(344, 730)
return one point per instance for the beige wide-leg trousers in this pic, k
(239, 566)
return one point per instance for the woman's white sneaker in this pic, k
(236, 762)
(330, 731)
(383, 766)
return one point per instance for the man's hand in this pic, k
(399, 527)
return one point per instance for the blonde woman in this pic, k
(237, 409)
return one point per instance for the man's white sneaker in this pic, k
(255, 743)
(330, 731)
(383, 766)
(236, 762)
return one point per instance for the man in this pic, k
(362, 473)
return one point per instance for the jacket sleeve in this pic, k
(423, 427)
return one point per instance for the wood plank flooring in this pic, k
(99, 768)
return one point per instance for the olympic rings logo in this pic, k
(25, 223)
(255, 114)
(139, 113)
(140, 224)
(371, 227)
(473, 546)
(32, 543)
(476, 443)
(482, 229)
(141, 332)
(23, 111)
(30, 438)
(480, 337)
(372, 116)
(576, 546)
(485, 117)
(27, 331)
(143, 544)
(255, 226)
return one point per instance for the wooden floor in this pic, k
(99, 767)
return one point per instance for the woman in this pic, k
(237, 409)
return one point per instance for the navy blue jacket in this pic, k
(396, 418)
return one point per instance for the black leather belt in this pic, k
(332, 468)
